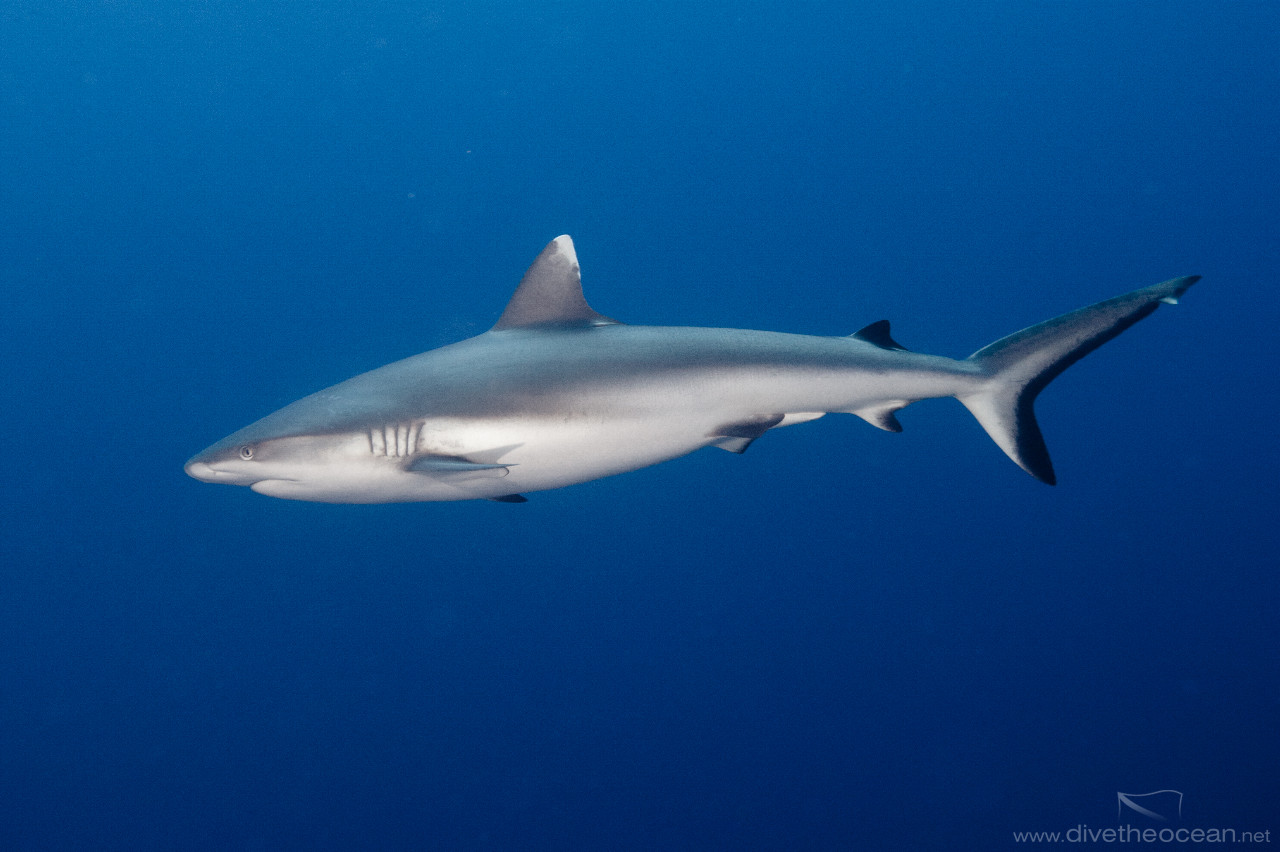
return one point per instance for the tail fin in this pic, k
(1022, 364)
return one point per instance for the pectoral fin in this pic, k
(456, 468)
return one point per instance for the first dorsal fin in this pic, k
(878, 333)
(550, 294)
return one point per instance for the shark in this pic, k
(556, 394)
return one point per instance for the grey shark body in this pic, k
(557, 394)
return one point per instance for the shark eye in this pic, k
(246, 452)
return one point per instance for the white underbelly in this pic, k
(547, 454)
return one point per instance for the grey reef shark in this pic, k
(556, 394)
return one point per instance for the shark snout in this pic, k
(197, 469)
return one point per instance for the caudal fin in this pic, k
(1022, 364)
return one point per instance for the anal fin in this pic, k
(881, 416)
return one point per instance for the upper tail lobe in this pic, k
(1021, 365)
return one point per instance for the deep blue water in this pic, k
(844, 639)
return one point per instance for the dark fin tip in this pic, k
(510, 498)
(878, 334)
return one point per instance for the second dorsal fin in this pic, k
(878, 334)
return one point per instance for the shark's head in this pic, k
(328, 448)
(317, 448)
(302, 467)
(386, 464)
(442, 425)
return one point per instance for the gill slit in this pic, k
(396, 440)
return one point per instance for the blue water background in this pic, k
(844, 639)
